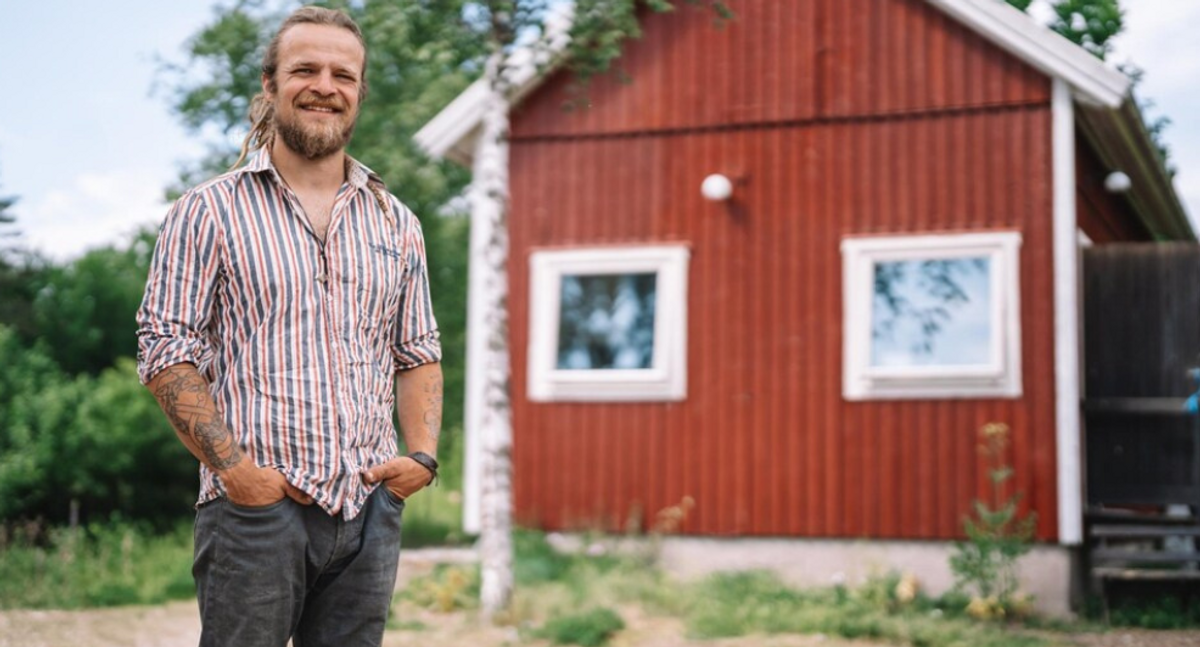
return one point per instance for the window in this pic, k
(932, 316)
(608, 324)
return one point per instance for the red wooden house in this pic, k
(809, 359)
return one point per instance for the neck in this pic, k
(300, 172)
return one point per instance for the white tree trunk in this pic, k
(490, 210)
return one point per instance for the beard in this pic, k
(315, 140)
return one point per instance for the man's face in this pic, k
(316, 89)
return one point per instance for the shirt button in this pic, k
(322, 277)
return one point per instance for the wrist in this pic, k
(234, 471)
(428, 462)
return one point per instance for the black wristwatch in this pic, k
(428, 462)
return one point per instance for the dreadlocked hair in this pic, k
(262, 110)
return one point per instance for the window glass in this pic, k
(606, 321)
(932, 312)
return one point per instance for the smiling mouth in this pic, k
(328, 110)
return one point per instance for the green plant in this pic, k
(448, 588)
(114, 563)
(985, 566)
(1159, 612)
(589, 628)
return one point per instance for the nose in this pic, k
(323, 84)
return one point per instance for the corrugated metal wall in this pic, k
(1105, 217)
(842, 117)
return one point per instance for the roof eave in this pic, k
(1091, 81)
(1121, 141)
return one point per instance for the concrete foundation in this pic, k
(1048, 572)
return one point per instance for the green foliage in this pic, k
(7, 220)
(888, 608)
(538, 562)
(1165, 612)
(740, 604)
(589, 628)
(98, 444)
(86, 308)
(1089, 23)
(433, 516)
(985, 566)
(100, 565)
(1023, 5)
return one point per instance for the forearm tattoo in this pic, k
(433, 391)
(183, 395)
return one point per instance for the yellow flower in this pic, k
(906, 588)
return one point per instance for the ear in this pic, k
(268, 87)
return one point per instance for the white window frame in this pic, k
(665, 380)
(999, 377)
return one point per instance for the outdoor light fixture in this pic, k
(1117, 182)
(716, 187)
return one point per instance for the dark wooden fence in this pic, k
(1141, 340)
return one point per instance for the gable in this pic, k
(784, 62)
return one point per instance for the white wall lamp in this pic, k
(1117, 182)
(717, 188)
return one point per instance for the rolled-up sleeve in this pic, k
(180, 289)
(416, 341)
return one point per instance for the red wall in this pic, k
(1105, 217)
(842, 117)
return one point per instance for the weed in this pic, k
(589, 628)
(448, 588)
(985, 566)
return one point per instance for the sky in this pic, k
(88, 148)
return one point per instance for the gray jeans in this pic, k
(264, 575)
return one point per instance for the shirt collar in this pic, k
(357, 174)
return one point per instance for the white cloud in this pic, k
(92, 209)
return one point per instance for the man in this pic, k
(284, 299)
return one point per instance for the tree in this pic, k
(22, 275)
(1089, 23)
(85, 309)
(84, 447)
(597, 31)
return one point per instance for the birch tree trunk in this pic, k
(490, 210)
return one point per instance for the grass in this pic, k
(97, 566)
(117, 563)
(563, 598)
(577, 599)
(433, 517)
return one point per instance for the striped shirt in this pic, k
(300, 339)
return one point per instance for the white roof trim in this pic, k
(452, 132)
(1012, 30)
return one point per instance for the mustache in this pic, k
(322, 102)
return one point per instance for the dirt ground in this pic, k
(177, 624)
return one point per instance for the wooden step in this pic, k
(1147, 531)
(1117, 515)
(1144, 574)
(1144, 556)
